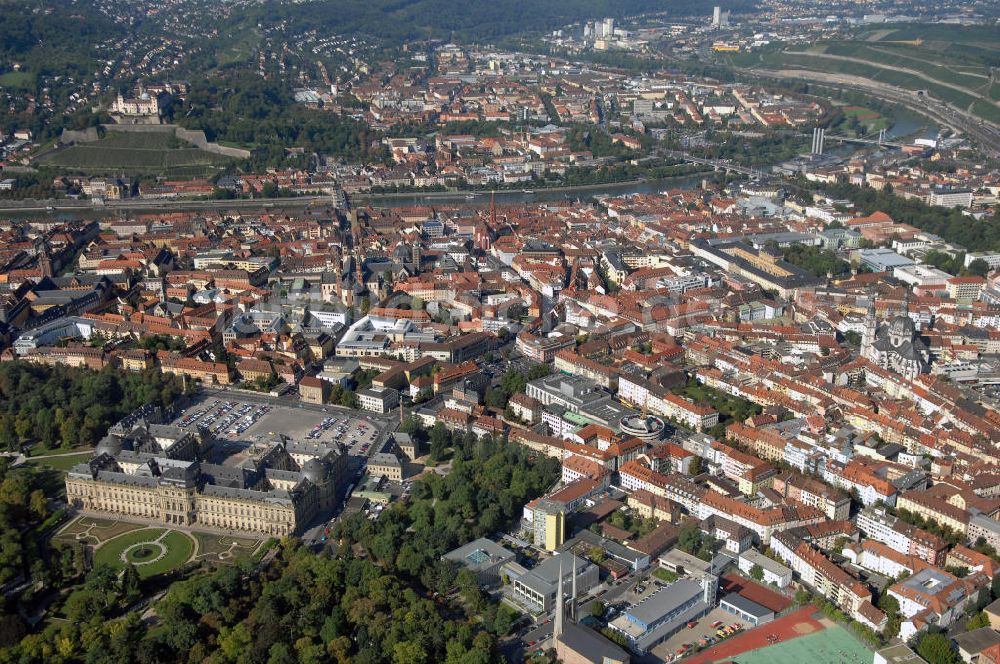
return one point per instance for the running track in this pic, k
(783, 628)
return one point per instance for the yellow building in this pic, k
(155, 473)
(549, 523)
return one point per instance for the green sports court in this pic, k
(834, 645)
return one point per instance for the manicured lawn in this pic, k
(17, 79)
(860, 113)
(63, 462)
(664, 575)
(223, 548)
(98, 530)
(176, 549)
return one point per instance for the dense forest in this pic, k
(763, 151)
(35, 33)
(952, 225)
(379, 593)
(242, 108)
(52, 406)
(63, 406)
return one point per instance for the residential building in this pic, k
(313, 390)
(378, 399)
(933, 597)
(774, 572)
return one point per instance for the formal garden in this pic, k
(151, 550)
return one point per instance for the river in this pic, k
(513, 197)
(905, 125)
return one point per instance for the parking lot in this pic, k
(233, 421)
(223, 419)
(703, 629)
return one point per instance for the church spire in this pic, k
(572, 597)
(557, 628)
(868, 338)
(45, 261)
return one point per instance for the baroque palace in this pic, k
(149, 471)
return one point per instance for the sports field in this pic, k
(831, 646)
(797, 638)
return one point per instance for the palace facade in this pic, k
(154, 472)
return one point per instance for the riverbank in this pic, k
(464, 193)
(69, 207)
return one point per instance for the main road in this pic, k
(960, 121)
(113, 208)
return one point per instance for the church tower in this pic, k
(868, 337)
(45, 262)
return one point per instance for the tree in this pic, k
(38, 505)
(85, 604)
(440, 439)
(538, 371)
(12, 629)
(961, 571)
(408, 652)
(802, 597)
(235, 641)
(412, 426)
(129, 583)
(821, 262)
(597, 608)
(979, 268)
(936, 649)
(348, 399)
(690, 537)
(23, 427)
(392, 603)
(695, 467)
(945, 261)
(513, 382)
(757, 573)
(890, 606)
(977, 621)
(496, 398)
